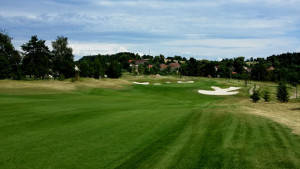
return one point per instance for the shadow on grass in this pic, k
(295, 108)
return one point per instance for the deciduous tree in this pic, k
(9, 58)
(63, 58)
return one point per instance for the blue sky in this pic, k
(203, 29)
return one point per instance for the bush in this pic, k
(266, 95)
(256, 95)
(282, 93)
(61, 77)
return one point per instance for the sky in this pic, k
(203, 29)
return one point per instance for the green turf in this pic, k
(168, 126)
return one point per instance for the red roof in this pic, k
(150, 66)
(234, 73)
(130, 61)
(163, 66)
(176, 65)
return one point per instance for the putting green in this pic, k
(165, 126)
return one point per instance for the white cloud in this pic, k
(203, 28)
(88, 48)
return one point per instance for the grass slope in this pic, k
(167, 126)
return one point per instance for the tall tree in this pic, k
(37, 58)
(86, 69)
(98, 69)
(9, 58)
(63, 58)
(114, 70)
(239, 64)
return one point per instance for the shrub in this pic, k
(282, 93)
(266, 95)
(61, 77)
(256, 95)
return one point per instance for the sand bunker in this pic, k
(219, 91)
(185, 82)
(156, 84)
(144, 83)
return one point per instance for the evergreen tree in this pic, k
(63, 59)
(255, 95)
(266, 95)
(37, 58)
(282, 93)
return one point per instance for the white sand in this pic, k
(185, 82)
(156, 84)
(168, 82)
(219, 91)
(144, 83)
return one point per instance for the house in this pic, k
(216, 67)
(234, 73)
(138, 62)
(141, 61)
(163, 66)
(150, 66)
(248, 70)
(174, 66)
(271, 68)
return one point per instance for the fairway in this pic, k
(137, 126)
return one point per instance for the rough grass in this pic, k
(133, 126)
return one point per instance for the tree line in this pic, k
(37, 61)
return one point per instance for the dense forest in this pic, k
(38, 62)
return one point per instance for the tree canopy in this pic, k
(63, 58)
(9, 58)
(37, 60)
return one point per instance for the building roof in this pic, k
(163, 66)
(139, 62)
(175, 65)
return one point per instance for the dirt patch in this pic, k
(14, 87)
(294, 95)
(104, 83)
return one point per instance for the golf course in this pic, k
(115, 123)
